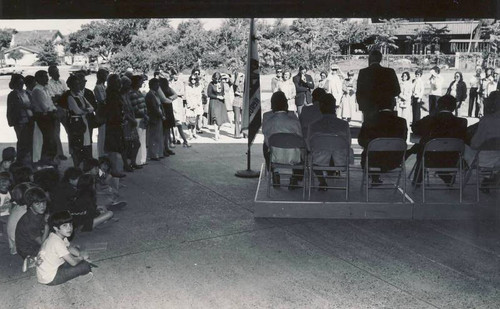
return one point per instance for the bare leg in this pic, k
(105, 216)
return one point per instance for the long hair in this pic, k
(196, 80)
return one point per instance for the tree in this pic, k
(384, 35)
(16, 54)
(430, 37)
(104, 38)
(48, 54)
(6, 37)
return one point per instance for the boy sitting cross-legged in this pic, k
(32, 229)
(59, 261)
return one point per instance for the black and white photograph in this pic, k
(281, 154)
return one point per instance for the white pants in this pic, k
(142, 154)
(37, 143)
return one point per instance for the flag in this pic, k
(252, 118)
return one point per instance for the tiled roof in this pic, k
(454, 27)
(30, 49)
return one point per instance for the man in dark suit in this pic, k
(377, 87)
(385, 123)
(303, 85)
(442, 125)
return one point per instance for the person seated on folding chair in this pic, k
(487, 128)
(329, 124)
(385, 124)
(310, 111)
(442, 125)
(279, 120)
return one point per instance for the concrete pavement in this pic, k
(188, 239)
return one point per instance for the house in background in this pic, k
(29, 42)
(462, 36)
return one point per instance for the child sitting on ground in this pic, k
(106, 191)
(5, 200)
(59, 261)
(17, 211)
(86, 215)
(8, 157)
(64, 194)
(22, 174)
(32, 228)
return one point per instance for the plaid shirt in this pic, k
(138, 102)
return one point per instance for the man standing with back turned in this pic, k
(377, 87)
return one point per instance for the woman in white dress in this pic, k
(404, 98)
(194, 108)
(288, 88)
(348, 101)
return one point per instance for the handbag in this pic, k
(76, 125)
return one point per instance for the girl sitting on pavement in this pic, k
(86, 215)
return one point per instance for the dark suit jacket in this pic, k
(385, 124)
(377, 87)
(442, 125)
(303, 89)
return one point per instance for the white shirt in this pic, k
(334, 86)
(4, 198)
(56, 87)
(436, 86)
(42, 102)
(51, 254)
(418, 88)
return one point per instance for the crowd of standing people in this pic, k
(41, 207)
(384, 103)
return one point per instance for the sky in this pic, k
(67, 26)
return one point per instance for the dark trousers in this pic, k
(433, 104)
(24, 133)
(369, 114)
(415, 109)
(80, 153)
(46, 123)
(132, 148)
(66, 272)
(237, 121)
(473, 101)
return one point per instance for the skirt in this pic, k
(217, 113)
(169, 121)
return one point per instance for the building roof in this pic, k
(454, 27)
(30, 49)
(27, 38)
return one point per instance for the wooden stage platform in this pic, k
(383, 204)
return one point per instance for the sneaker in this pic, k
(62, 157)
(83, 279)
(117, 206)
(171, 145)
(170, 152)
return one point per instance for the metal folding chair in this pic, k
(492, 144)
(286, 141)
(385, 144)
(328, 143)
(447, 145)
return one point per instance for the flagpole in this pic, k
(249, 97)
